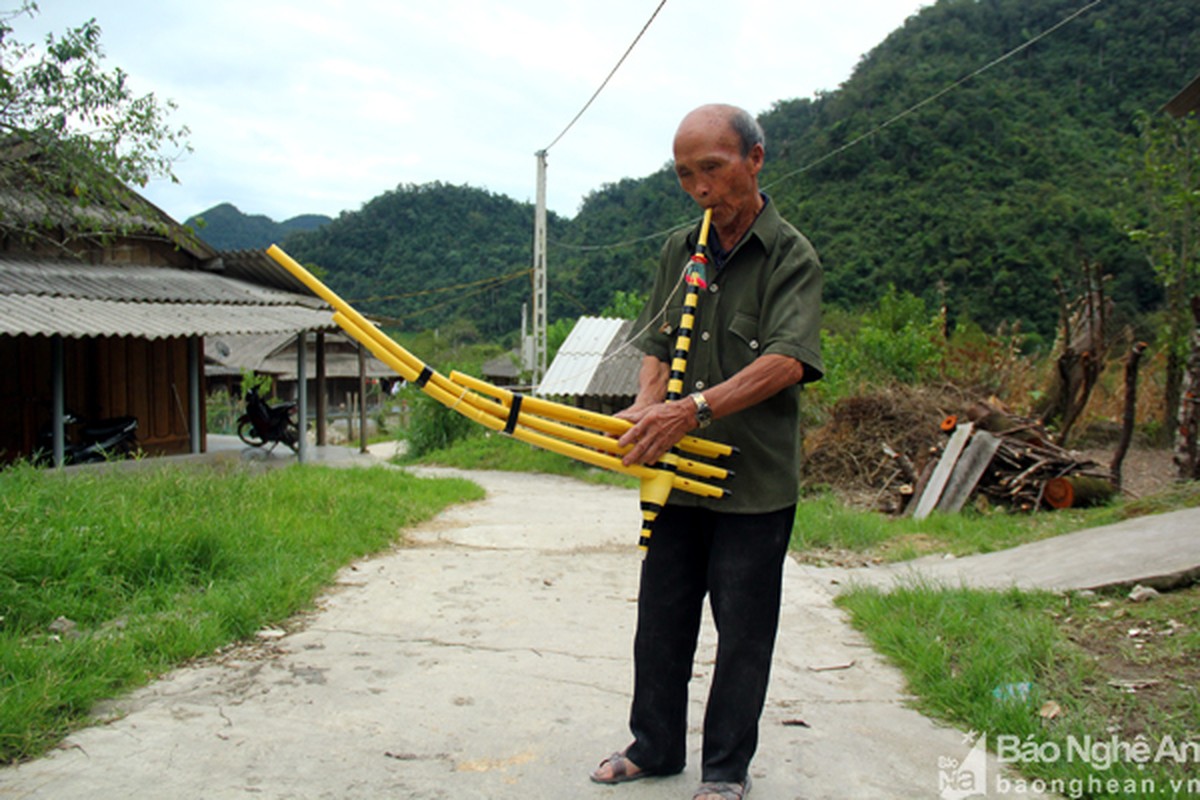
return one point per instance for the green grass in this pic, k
(154, 567)
(995, 662)
(826, 527)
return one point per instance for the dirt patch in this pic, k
(1144, 471)
(1144, 657)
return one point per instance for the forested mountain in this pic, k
(226, 228)
(984, 195)
(977, 199)
(426, 255)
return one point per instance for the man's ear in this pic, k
(756, 156)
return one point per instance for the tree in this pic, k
(1167, 183)
(73, 136)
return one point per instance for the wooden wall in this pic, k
(104, 377)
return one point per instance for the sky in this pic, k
(317, 107)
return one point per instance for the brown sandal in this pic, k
(622, 770)
(725, 791)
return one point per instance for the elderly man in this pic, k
(754, 343)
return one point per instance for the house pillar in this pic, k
(58, 399)
(196, 427)
(302, 394)
(322, 400)
(362, 398)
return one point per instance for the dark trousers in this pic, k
(737, 559)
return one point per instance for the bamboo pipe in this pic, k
(694, 277)
(461, 403)
(546, 408)
(656, 483)
(588, 419)
(456, 395)
(606, 442)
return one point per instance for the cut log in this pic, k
(1077, 491)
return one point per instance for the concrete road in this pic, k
(492, 660)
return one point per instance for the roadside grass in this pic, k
(829, 531)
(109, 578)
(1087, 695)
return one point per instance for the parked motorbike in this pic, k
(263, 423)
(88, 441)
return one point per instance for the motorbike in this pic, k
(89, 441)
(264, 423)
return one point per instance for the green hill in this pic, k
(424, 256)
(977, 199)
(224, 227)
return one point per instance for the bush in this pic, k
(898, 341)
(432, 426)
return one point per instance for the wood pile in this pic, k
(1008, 460)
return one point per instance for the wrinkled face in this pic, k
(711, 168)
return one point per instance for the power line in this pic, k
(936, 96)
(396, 319)
(606, 80)
(860, 139)
(911, 110)
(496, 279)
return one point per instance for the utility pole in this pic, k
(539, 275)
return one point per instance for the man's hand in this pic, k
(657, 428)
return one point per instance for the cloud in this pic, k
(310, 106)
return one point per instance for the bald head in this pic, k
(718, 117)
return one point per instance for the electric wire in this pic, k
(596, 94)
(936, 96)
(783, 178)
(859, 139)
(496, 279)
(813, 164)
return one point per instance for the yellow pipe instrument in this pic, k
(695, 280)
(551, 426)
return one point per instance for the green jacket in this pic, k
(765, 298)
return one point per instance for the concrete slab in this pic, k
(492, 659)
(1162, 550)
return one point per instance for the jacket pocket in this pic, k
(743, 346)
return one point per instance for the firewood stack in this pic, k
(1010, 461)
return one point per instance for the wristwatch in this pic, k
(704, 414)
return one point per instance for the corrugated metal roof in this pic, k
(275, 353)
(617, 375)
(136, 283)
(257, 267)
(74, 317)
(69, 298)
(593, 361)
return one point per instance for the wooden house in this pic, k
(114, 323)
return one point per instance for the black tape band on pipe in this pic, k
(423, 378)
(513, 412)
